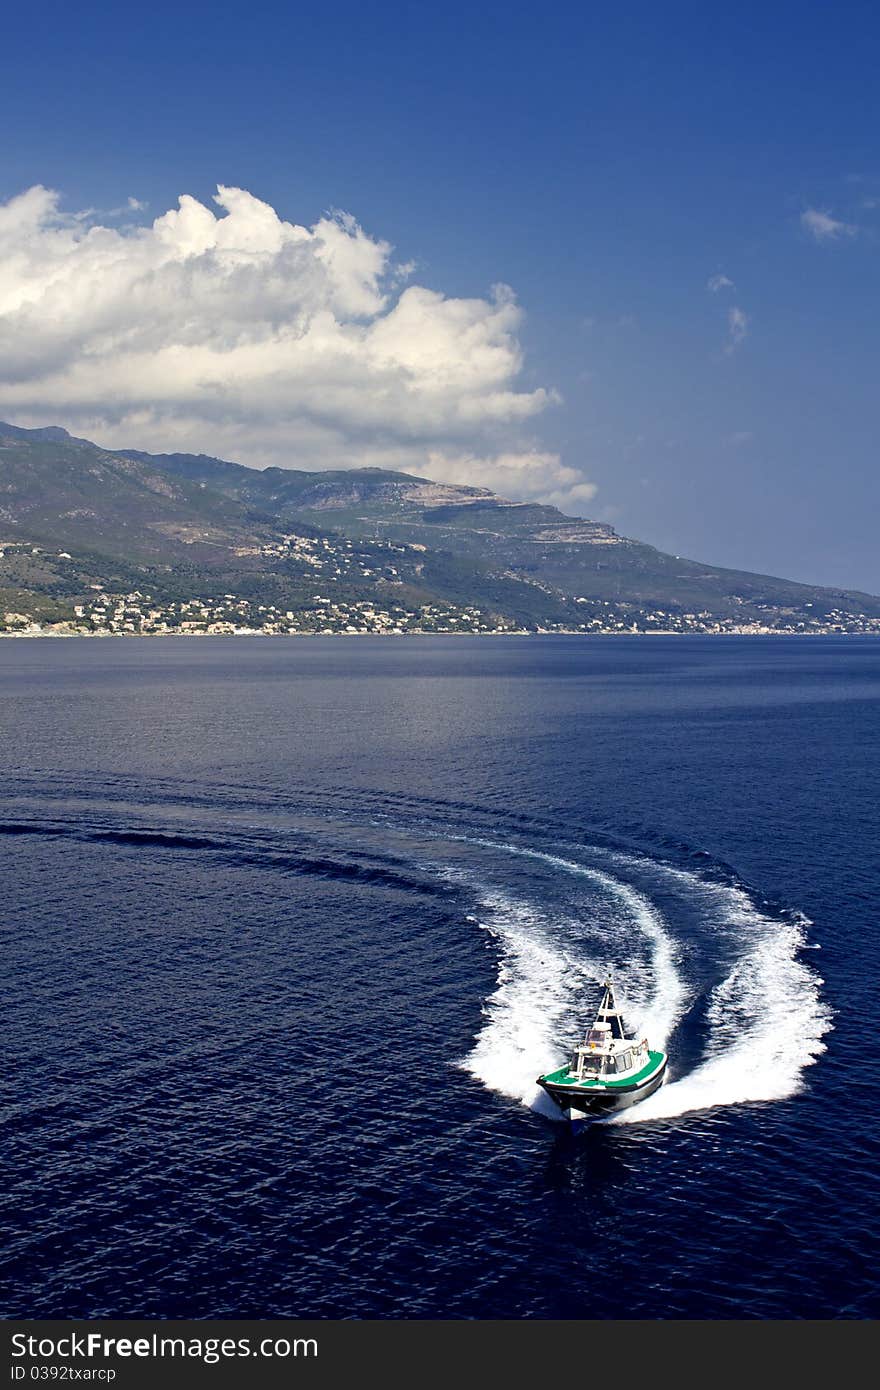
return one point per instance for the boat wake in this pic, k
(702, 968)
(711, 970)
(766, 1024)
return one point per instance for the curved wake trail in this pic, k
(655, 1005)
(526, 1013)
(542, 981)
(766, 1023)
(764, 1017)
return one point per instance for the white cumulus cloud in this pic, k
(233, 331)
(719, 282)
(528, 476)
(823, 227)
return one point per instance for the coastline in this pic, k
(452, 632)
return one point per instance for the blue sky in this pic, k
(606, 163)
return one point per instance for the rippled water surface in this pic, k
(291, 926)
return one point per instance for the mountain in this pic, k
(99, 540)
(56, 488)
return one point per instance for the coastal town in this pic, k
(139, 614)
(331, 577)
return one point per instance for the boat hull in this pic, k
(580, 1104)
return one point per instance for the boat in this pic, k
(608, 1071)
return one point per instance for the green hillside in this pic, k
(99, 541)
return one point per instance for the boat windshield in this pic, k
(595, 1066)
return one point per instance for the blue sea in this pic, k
(290, 927)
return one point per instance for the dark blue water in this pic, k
(290, 927)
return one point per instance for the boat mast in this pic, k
(608, 1011)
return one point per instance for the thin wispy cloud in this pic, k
(237, 332)
(823, 227)
(91, 215)
(737, 318)
(737, 328)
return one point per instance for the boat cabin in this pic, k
(606, 1051)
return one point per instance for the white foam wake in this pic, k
(540, 980)
(765, 1019)
(653, 1004)
(766, 1022)
(524, 1015)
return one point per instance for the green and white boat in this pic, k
(608, 1070)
